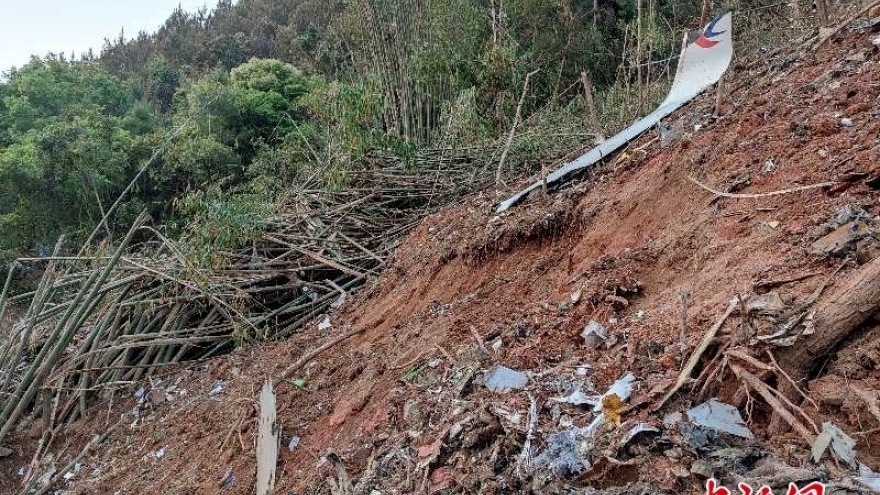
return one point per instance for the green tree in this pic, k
(69, 131)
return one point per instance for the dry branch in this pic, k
(761, 195)
(698, 352)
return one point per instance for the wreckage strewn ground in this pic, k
(403, 405)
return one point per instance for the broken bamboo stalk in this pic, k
(522, 98)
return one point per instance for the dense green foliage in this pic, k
(245, 100)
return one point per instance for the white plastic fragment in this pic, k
(500, 379)
(719, 416)
(325, 323)
(310, 293)
(218, 388)
(846, 122)
(638, 428)
(820, 445)
(159, 453)
(868, 478)
(575, 398)
(842, 445)
(294, 443)
(622, 387)
(339, 301)
(672, 418)
(594, 334)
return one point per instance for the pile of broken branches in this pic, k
(99, 321)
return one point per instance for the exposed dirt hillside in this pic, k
(403, 405)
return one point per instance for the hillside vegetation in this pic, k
(229, 108)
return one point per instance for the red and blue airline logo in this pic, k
(706, 37)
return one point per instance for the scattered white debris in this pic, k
(842, 445)
(310, 293)
(73, 472)
(325, 323)
(140, 394)
(637, 429)
(868, 478)
(673, 418)
(594, 334)
(218, 388)
(575, 398)
(846, 122)
(720, 417)
(622, 388)
(582, 370)
(159, 453)
(339, 301)
(294, 443)
(496, 345)
(501, 379)
(769, 166)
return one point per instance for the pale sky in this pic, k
(36, 27)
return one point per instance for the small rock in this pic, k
(5, 452)
(840, 240)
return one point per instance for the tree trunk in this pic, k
(834, 320)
